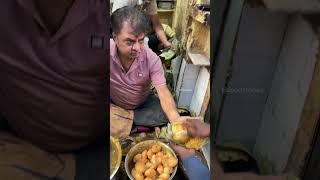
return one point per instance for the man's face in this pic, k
(128, 43)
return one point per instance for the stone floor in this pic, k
(220, 175)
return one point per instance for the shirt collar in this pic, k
(30, 7)
(77, 13)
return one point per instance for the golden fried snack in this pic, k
(137, 175)
(164, 176)
(179, 132)
(153, 163)
(172, 161)
(140, 167)
(149, 154)
(151, 173)
(160, 169)
(156, 148)
(167, 169)
(144, 154)
(194, 143)
(137, 157)
(180, 135)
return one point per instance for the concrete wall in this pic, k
(257, 48)
(290, 86)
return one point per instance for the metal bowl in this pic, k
(115, 155)
(139, 148)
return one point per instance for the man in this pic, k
(53, 88)
(132, 70)
(150, 8)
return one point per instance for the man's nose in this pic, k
(137, 46)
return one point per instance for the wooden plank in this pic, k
(312, 171)
(165, 0)
(180, 19)
(198, 59)
(165, 10)
(307, 125)
(206, 101)
(198, 39)
(200, 16)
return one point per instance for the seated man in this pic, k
(133, 68)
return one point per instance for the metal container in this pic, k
(115, 157)
(139, 148)
(166, 5)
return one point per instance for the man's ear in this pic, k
(114, 36)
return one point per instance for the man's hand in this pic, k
(185, 118)
(167, 44)
(182, 152)
(197, 128)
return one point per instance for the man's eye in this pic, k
(129, 43)
(141, 41)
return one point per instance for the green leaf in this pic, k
(168, 55)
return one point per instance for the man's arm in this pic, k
(169, 106)
(195, 169)
(157, 27)
(167, 103)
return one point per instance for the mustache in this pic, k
(134, 51)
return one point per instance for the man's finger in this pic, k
(176, 148)
(194, 118)
(182, 150)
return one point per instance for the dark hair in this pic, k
(137, 19)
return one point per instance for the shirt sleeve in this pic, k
(195, 169)
(157, 73)
(152, 8)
